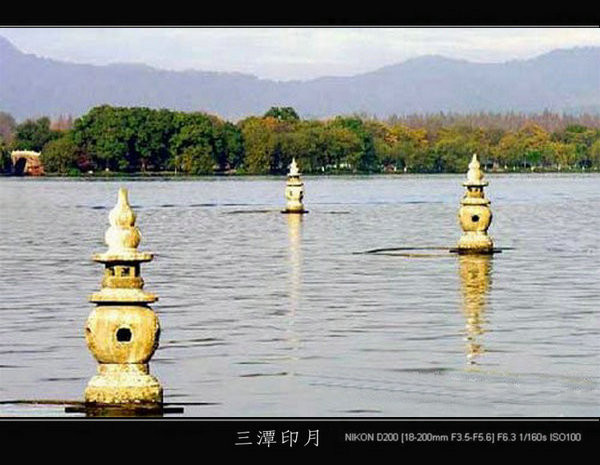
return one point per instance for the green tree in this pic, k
(582, 139)
(60, 155)
(125, 139)
(5, 161)
(104, 135)
(281, 130)
(364, 159)
(33, 134)
(282, 114)
(412, 146)
(228, 144)
(149, 147)
(193, 139)
(341, 147)
(259, 145)
(529, 146)
(563, 155)
(195, 159)
(307, 142)
(455, 146)
(399, 147)
(595, 153)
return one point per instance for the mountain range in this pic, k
(563, 80)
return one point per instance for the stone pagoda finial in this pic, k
(122, 236)
(475, 175)
(294, 168)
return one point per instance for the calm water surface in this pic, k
(265, 315)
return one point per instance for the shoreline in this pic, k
(173, 176)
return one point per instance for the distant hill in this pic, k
(560, 81)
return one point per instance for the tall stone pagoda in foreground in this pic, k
(475, 215)
(122, 332)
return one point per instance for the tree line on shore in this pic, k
(133, 140)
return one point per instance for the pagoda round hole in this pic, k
(475, 218)
(124, 335)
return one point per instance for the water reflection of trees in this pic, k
(475, 277)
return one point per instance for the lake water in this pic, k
(265, 315)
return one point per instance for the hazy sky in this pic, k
(291, 53)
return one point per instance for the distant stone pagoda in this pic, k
(294, 191)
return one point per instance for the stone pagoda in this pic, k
(122, 332)
(475, 215)
(294, 191)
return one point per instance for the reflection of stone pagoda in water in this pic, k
(474, 214)
(295, 239)
(294, 191)
(295, 289)
(475, 283)
(122, 331)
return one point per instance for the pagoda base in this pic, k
(475, 242)
(123, 384)
(289, 211)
